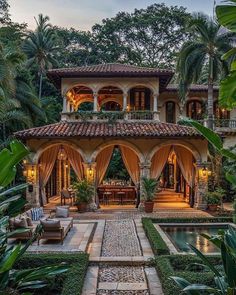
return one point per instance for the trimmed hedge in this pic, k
(175, 265)
(192, 220)
(69, 283)
(158, 245)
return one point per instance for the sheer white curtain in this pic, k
(131, 162)
(47, 162)
(159, 161)
(102, 162)
(75, 160)
(185, 161)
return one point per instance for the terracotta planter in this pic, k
(212, 207)
(148, 206)
(82, 207)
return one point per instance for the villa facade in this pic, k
(134, 109)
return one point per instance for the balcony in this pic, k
(110, 116)
(221, 124)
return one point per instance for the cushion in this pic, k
(50, 224)
(62, 211)
(29, 221)
(20, 222)
(36, 213)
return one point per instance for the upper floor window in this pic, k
(220, 113)
(111, 106)
(170, 112)
(140, 99)
(195, 109)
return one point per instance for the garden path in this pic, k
(119, 261)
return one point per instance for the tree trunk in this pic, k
(210, 113)
(40, 84)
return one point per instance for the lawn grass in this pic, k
(69, 283)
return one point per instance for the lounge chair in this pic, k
(55, 229)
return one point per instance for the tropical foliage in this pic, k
(149, 188)
(225, 280)
(14, 281)
(226, 15)
(202, 55)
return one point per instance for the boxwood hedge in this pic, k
(176, 265)
(69, 283)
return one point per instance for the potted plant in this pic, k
(149, 186)
(84, 192)
(214, 199)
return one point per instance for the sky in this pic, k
(83, 14)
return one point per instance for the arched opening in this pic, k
(195, 109)
(117, 176)
(140, 99)
(110, 98)
(222, 116)
(170, 112)
(78, 96)
(174, 167)
(59, 166)
(111, 106)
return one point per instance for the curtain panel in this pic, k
(76, 161)
(185, 161)
(102, 162)
(131, 162)
(47, 162)
(158, 161)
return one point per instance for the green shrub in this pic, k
(158, 245)
(175, 265)
(65, 284)
(193, 220)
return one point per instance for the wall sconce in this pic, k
(204, 171)
(32, 171)
(66, 165)
(90, 171)
(24, 162)
(128, 108)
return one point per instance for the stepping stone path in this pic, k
(121, 268)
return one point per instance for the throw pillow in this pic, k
(50, 224)
(62, 212)
(19, 223)
(36, 214)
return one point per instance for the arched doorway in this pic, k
(110, 98)
(79, 96)
(120, 186)
(59, 165)
(174, 166)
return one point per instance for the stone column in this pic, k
(90, 167)
(32, 191)
(201, 186)
(95, 101)
(144, 172)
(64, 110)
(125, 96)
(155, 107)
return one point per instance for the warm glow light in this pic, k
(204, 171)
(25, 173)
(66, 165)
(32, 171)
(128, 108)
(24, 161)
(90, 171)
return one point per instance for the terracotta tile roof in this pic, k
(193, 87)
(104, 129)
(109, 70)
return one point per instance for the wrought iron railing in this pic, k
(221, 123)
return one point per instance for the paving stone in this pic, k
(120, 239)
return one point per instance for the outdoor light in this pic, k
(24, 161)
(204, 171)
(90, 171)
(25, 172)
(32, 171)
(66, 165)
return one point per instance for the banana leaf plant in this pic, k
(13, 281)
(225, 281)
(226, 16)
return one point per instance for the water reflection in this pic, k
(181, 235)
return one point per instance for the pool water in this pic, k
(181, 235)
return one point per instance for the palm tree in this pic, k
(203, 52)
(40, 47)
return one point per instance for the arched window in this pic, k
(220, 113)
(195, 109)
(111, 106)
(140, 99)
(170, 112)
